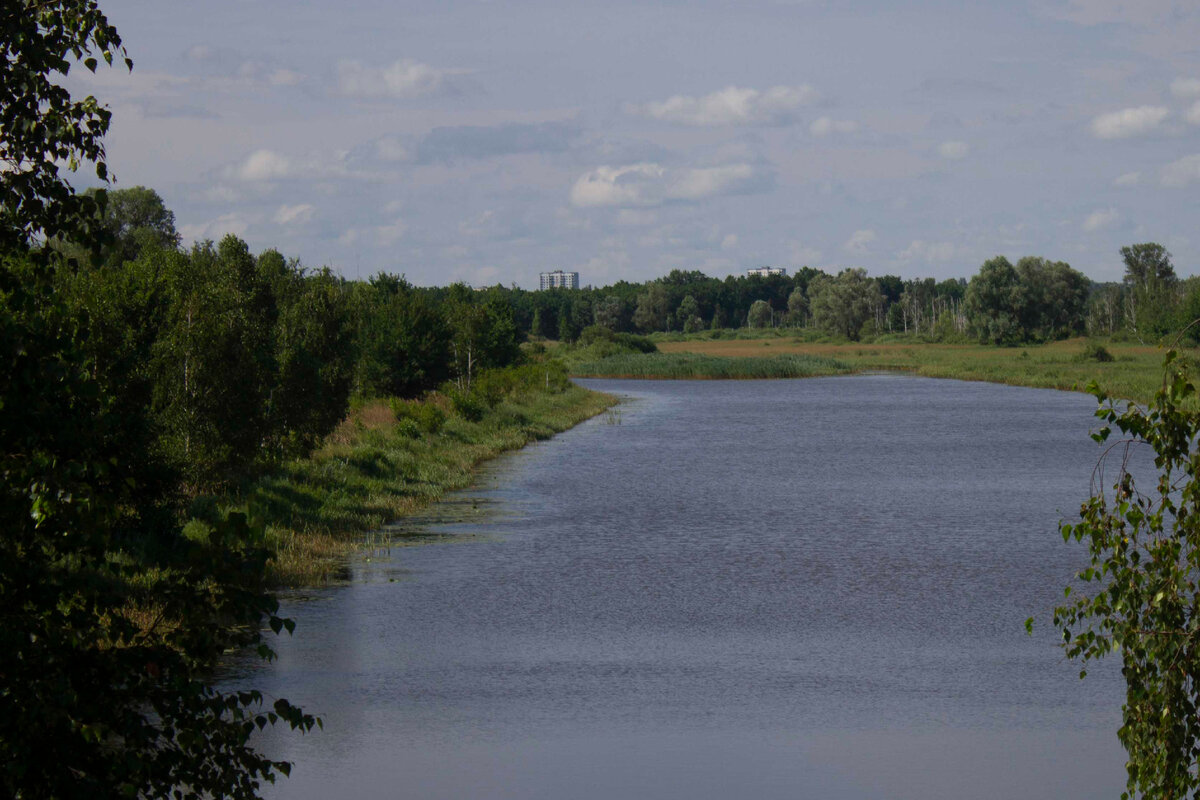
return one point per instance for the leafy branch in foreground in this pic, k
(1140, 593)
(41, 126)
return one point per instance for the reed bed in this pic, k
(684, 365)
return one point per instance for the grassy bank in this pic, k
(1135, 371)
(685, 365)
(380, 465)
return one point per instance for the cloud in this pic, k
(953, 150)
(859, 242)
(1128, 179)
(824, 126)
(1128, 122)
(391, 148)
(298, 214)
(402, 79)
(649, 184)
(731, 106)
(1193, 113)
(1186, 87)
(1182, 172)
(388, 235)
(449, 144)
(263, 165)
(920, 250)
(1099, 220)
(215, 228)
(1144, 13)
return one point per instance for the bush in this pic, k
(595, 333)
(467, 405)
(1093, 351)
(425, 416)
(638, 344)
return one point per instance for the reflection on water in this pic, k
(774, 589)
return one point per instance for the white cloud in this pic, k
(824, 126)
(1193, 113)
(390, 148)
(649, 184)
(1186, 87)
(1128, 122)
(1128, 179)
(215, 228)
(1182, 172)
(729, 242)
(636, 217)
(803, 255)
(1099, 220)
(731, 106)
(696, 184)
(953, 150)
(262, 165)
(920, 250)
(388, 235)
(859, 241)
(298, 214)
(402, 79)
(284, 77)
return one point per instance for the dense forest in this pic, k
(1034, 300)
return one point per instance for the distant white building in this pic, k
(765, 272)
(560, 280)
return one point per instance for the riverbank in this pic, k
(389, 459)
(1134, 371)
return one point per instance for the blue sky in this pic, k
(488, 141)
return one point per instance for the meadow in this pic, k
(1123, 369)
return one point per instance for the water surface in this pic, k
(743, 589)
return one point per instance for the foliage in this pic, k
(993, 302)
(113, 615)
(403, 341)
(759, 315)
(1140, 594)
(843, 304)
(689, 365)
(428, 417)
(42, 126)
(1151, 298)
(1095, 351)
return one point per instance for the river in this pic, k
(742, 589)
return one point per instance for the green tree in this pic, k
(841, 305)
(99, 701)
(1150, 303)
(652, 309)
(797, 308)
(403, 342)
(42, 126)
(1140, 594)
(135, 218)
(759, 315)
(993, 301)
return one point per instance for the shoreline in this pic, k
(375, 471)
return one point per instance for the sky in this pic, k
(486, 142)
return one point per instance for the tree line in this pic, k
(1034, 300)
(135, 377)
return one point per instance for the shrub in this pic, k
(467, 405)
(425, 416)
(1096, 352)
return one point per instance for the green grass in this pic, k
(1135, 371)
(694, 365)
(376, 469)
